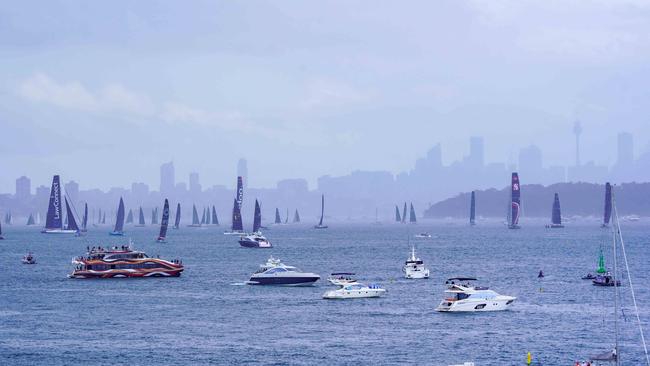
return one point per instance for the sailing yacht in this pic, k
(30, 220)
(472, 210)
(84, 220)
(398, 217)
(237, 227)
(255, 239)
(296, 217)
(515, 202)
(54, 221)
(162, 236)
(556, 215)
(129, 217)
(607, 214)
(140, 218)
(1, 237)
(322, 214)
(119, 220)
(404, 214)
(195, 217)
(278, 220)
(215, 219)
(412, 218)
(177, 220)
(154, 216)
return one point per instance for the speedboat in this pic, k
(122, 262)
(355, 290)
(29, 258)
(274, 272)
(423, 235)
(341, 278)
(605, 279)
(254, 240)
(414, 267)
(233, 232)
(464, 297)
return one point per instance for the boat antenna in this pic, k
(617, 230)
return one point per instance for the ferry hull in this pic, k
(58, 231)
(124, 274)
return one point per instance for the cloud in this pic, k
(331, 93)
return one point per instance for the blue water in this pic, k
(208, 317)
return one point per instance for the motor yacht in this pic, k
(254, 240)
(355, 290)
(341, 278)
(121, 262)
(464, 297)
(274, 272)
(29, 258)
(423, 236)
(414, 267)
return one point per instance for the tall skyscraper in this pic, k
(577, 130)
(23, 188)
(476, 152)
(72, 190)
(242, 170)
(195, 186)
(625, 148)
(167, 180)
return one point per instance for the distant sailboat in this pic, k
(99, 217)
(237, 224)
(154, 216)
(54, 221)
(195, 218)
(404, 214)
(412, 218)
(129, 217)
(162, 236)
(472, 210)
(257, 219)
(207, 215)
(556, 215)
(322, 214)
(8, 218)
(84, 220)
(1, 237)
(104, 218)
(30, 220)
(215, 219)
(286, 219)
(72, 223)
(119, 220)
(140, 218)
(177, 220)
(398, 217)
(515, 202)
(278, 220)
(296, 217)
(608, 205)
(38, 218)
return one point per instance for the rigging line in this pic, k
(629, 278)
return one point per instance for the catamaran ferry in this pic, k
(122, 262)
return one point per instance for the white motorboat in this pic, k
(355, 290)
(274, 272)
(414, 267)
(464, 297)
(341, 278)
(423, 236)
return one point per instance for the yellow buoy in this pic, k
(529, 358)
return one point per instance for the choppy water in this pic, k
(203, 317)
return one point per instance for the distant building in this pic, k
(23, 188)
(72, 190)
(242, 170)
(293, 186)
(625, 147)
(530, 164)
(140, 191)
(167, 178)
(195, 186)
(476, 156)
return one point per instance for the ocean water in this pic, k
(207, 316)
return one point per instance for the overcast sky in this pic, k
(104, 92)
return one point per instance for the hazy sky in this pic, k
(104, 92)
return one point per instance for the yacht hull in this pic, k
(475, 305)
(116, 233)
(254, 244)
(342, 294)
(58, 231)
(284, 280)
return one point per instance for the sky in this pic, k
(104, 92)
